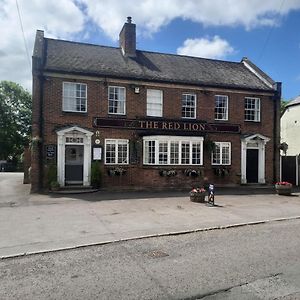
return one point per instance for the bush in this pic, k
(96, 176)
(51, 174)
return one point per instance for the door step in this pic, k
(76, 189)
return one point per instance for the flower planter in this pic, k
(197, 197)
(283, 189)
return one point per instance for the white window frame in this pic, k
(222, 145)
(189, 106)
(158, 105)
(68, 100)
(117, 142)
(169, 140)
(256, 109)
(123, 101)
(226, 108)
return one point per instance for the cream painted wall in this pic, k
(290, 129)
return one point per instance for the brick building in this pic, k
(153, 120)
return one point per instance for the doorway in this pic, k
(252, 166)
(74, 158)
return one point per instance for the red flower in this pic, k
(283, 183)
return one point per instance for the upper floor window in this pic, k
(116, 100)
(173, 150)
(74, 97)
(221, 107)
(221, 155)
(154, 103)
(116, 151)
(252, 109)
(188, 103)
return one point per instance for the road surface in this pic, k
(250, 262)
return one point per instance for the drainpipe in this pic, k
(276, 133)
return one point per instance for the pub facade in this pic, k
(150, 120)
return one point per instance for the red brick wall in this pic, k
(138, 175)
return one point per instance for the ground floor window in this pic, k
(173, 150)
(221, 154)
(116, 151)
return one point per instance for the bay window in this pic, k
(173, 150)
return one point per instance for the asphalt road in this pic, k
(251, 262)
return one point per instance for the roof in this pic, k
(79, 58)
(296, 101)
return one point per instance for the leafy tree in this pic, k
(283, 103)
(15, 120)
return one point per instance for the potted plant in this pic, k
(197, 195)
(283, 188)
(54, 186)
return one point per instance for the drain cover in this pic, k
(157, 254)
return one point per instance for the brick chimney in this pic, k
(127, 39)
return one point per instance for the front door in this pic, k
(74, 164)
(252, 166)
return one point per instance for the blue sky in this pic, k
(267, 32)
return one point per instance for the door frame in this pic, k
(83, 137)
(254, 141)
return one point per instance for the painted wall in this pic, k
(290, 129)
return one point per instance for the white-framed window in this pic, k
(252, 109)
(154, 103)
(221, 155)
(221, 107)
(172, 150)
(116, 151)
(116, 100)
(188, 104)
(74, 97)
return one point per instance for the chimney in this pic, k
(127, 39)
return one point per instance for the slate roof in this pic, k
(295, 101)
(80, 58)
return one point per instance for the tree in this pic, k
(15, 120)
(283, 103)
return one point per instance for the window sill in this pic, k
(83, 113)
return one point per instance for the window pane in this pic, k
(116, 100)
(116, 151)
(221, 105)
(154, 103)
(74, 97)
(110, 153)
(185, 153)
(252, 109)
(188, 105)
(196, 153)
(163, 153)
(221, 154)
(174, 153)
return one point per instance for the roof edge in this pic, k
(258, 73)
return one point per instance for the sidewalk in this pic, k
(52, 222)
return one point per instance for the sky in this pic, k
(265, 31)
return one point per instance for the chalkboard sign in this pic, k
(50, 151)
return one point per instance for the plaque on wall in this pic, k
(50, 151)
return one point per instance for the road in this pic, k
(250, 262)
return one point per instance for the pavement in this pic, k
(32, 223)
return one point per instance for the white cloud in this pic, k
(69, 18)
(151, 15)
(58, 18)
(206, 47)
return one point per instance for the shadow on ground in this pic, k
(102, 195)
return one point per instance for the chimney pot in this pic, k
(129, 20)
